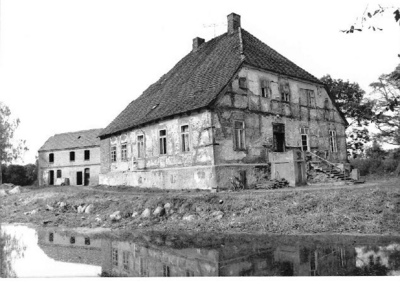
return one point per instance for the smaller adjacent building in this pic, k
(70, 158)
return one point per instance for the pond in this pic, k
(27, 251)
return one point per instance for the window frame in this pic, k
(166, 271)
(125, 260)
(310, 98)
(243, 83)
(140, 146)
(124, 152)
(285, 91)
(162, 142)
(88, 155)
(332, 141)
(72, 156)
(57, 173)
(114, 256)
(305, 132)
(239, 136)
(265, 88)
(185, 139)
(113, 153)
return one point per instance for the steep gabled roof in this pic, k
(78, 139)
(196, 80)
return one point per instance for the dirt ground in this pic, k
(369, 208)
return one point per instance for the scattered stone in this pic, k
(46, 222)
(62, 204)
(167, 206)
(221, 201)
(199, 209)
(15, 190)
(7, 185)
(217, 215)
(135, 214)
(3, 193)
(159, 211)
(189, 217)
(174, 217)
(80, 209)
(116, 216)
(89, 209)
(146, 213)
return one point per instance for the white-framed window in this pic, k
(115, 257)
(185, 138)
(265, 89)
(332, 141)
(305, 142)
(125, 260)
(113, 153)
(239, 135)
(140, 146)
(285, 91)
(124, 152)
(163, 142)
(310, 98)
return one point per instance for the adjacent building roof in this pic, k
(71, 140)
(196, 80)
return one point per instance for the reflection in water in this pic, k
(157, 254)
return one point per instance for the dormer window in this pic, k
(242, 83)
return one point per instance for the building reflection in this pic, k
(158, 255)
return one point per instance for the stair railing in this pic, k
(326, 161)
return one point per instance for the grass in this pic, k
(371, 208)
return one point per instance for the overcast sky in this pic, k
(76, 64)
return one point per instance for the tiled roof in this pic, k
(72, 140)
(196, 80)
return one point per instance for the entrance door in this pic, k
(87, 176)
(51, 177)
(279, 137)
(78, 178)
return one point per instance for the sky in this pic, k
(70, 65)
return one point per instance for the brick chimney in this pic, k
(233, 22)
(197, 42)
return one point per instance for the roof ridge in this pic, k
(81, 131)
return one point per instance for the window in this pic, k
(305, 145)
(185, 138)
(242, 83)
(72, 156)
(143, 267)
(189, 273)
(163, 141)
(140, 146)
(87, 155)
(332, 141)
(310, 98)
(113, 154)
(239, 135)
(72, 240)
(51, 157)
(115, 257)
(124, 156)
(87, 241)
(285, 91)
(51, 237)
(265, 89)
(125, 260)
(166, 272)
(58, 174)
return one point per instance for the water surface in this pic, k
(53, 252)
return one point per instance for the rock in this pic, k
(189, 217)
(146, 213)
(89, 209)
(167, 206)
(135, 214)
(31, 212)
(174, 217)
(15, 190)
(7, 185)
(62, 204)
(98, 219)
(49, 208)
(84, 208)
(116, 216)
(199, 209)
(159, 211)
(80, 209)
(217, 215)
(3, 193)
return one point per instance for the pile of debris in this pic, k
(273, 184)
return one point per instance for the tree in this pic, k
(350, 99)
(8, 150)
